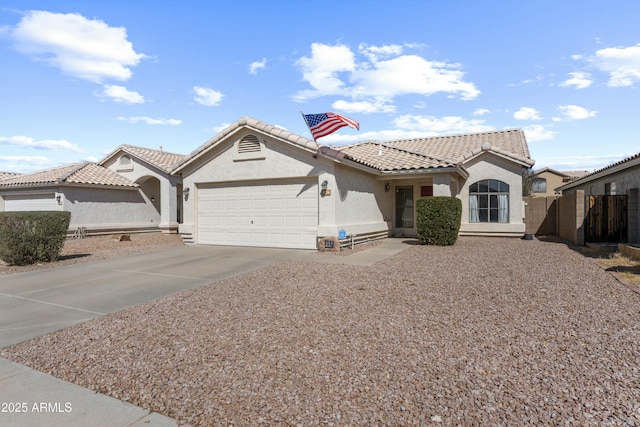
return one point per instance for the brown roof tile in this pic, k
(75, 173)
(388, 158)
(5, 175)
(158, 158)
(457, 148)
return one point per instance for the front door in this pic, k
(404, 206)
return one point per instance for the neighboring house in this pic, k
(151, 170)
(98, 199)
(616, 179)
(620, 178)
(545, 182)
(255, 184)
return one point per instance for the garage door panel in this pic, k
(262, 214)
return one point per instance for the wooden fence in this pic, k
(606, 219)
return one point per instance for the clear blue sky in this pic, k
(79, 78)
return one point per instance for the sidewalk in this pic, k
(40, 302)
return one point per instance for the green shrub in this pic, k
(438, 220)
(31, 237)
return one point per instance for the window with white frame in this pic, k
(489, 201)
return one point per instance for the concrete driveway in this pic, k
(40, 302)
(43, 301)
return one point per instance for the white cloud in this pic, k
(150, 121)
(85, 48)
(538, 133)
(374, 53)
(122, 94)
(257, 65)
(384, 73)
(575, 112)
(440, 125)
(622, 64)
(322, 68)
(206, 96)
(527, 113)
(579, 79)
(23, 164)
(481, 112)
(45, 144)
(363, 107)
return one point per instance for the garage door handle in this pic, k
(251, 221)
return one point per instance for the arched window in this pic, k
(489, 201)
(539, 185)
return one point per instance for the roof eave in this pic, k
(256, 126)
(609, 170)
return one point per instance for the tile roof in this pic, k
(255, 124)
(458, 148)
(163, 160)
(434, 152)
(384, 157)
(5, 175)
(397, 155)
(75, 173)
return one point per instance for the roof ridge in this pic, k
(151, 149)
(75, 170)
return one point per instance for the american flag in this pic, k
(325, 123)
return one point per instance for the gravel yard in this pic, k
(100, 247)
(489, 331)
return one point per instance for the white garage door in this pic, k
(31, 202)
(273, 214)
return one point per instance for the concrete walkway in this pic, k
(43, 301)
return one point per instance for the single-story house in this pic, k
(255, 184)
(620, 178)
(545, 181)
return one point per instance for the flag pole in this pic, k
(313, 137)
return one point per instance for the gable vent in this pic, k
(249, 144)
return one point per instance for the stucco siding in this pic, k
(489, 166)
(624, 180)
(109, 208)
(359, 203)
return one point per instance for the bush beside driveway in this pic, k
(490, 331)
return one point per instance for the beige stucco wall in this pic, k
(359, 203)
(105, 208)
(490, 166)
(166, 198)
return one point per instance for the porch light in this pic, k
(59, 199)
(387, 187)
(185, 192)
